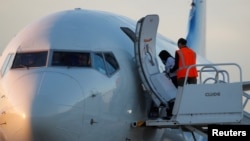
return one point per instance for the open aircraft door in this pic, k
(154, 82)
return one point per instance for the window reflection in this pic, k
(111, 63)
(105, 63)
(99, 63)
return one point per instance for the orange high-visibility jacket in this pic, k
(187, 57)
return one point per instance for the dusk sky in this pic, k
(228, 32)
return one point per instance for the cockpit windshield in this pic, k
(30, 59)
(103, 62)
(74, 59)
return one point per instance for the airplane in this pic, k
(48, 92)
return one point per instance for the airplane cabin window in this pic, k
(30, 59)
(72, 59)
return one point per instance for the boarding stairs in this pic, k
(213, 100)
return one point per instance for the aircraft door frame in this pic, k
(154, 82)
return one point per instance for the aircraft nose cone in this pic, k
(48, 99)
(56, 106)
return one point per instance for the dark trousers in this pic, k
(190, 80)
(174, 80)
(169, 110)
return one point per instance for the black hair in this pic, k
(164, 55)
(182, 41)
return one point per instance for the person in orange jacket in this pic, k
(185, 57)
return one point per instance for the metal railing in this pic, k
(214, 72)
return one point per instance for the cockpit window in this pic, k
(7, 63)
(105, 63)
(74, 59)
(111, 63)
(30, 59)
(99, 63)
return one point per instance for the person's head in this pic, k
(164, 55)
(182, 42)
